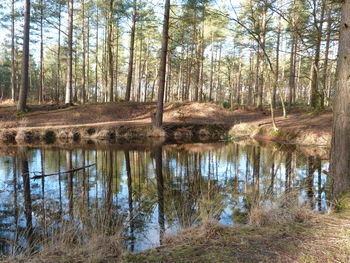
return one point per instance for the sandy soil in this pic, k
(140, 113)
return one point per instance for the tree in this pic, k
(340, 154)
(83, 79)
(69, 89)
(13, 73)
(109, 47)
(23, 93)
(162, 66)
(316, 97)
(41, 84)
(131, 53)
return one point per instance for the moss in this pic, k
(343, 203)
(306, 258)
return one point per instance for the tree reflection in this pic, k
(188, 186)
(27, 199)
(160, 191)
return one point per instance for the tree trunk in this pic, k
(326, 56)
(340, 154)
(211, 67)
(110, 53)
(292, 70)
(117, 61)
(131, 53)
(83, 72)
(262, 54)
(201, 84)
(239, 79)
(277, 71)
(96, 55)
(316, 98)
(140, 69)
(87, 89)
(162, 67)
(58, 77)
(69, 91)
(41, 84)
(13, 73)
(23, 93)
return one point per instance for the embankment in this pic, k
(182, 122)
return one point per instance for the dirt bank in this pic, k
(183, 121)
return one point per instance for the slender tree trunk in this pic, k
(250, 81)
(69, 88)
(239, 79)
(340, 154)
(277, 71)
(201, 84)
(218, 73)
(58, 77)
(41, 84)
(23, 93)
(292, 70)
(211, 67)
(96, 55)
(105, 61)
(197, 57)
(326, 56)
(316, 96)
(257, 76)
(83, 71)
(162, 67)
(117, 61)
(262, 59)
(87, 89)
(140, 70)
(131, 53)
(110, 53)
(13, 73)
(75, 97)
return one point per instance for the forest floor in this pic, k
(300, 121)
(318, 239)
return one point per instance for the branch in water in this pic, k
(66, 172)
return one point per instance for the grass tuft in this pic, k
(286, 210)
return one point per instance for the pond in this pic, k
(150, 192)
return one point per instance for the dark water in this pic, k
(151, 192)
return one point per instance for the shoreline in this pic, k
(185, 122)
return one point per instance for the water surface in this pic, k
(151, 192)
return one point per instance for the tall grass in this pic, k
(95, 238)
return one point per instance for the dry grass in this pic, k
(26, 136)
(286, 231)
(207, 230)
(156, 132)
(98, 239)
(183, 133)
(283, 211)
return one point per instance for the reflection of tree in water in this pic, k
(27, 200)
(184, 186)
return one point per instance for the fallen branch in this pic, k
(66, 172)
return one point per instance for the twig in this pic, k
(66, 172)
